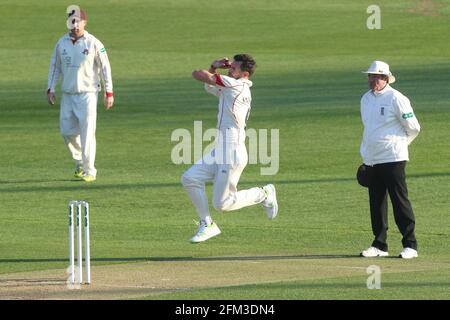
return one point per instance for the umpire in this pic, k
(389, 127)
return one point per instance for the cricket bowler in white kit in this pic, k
(81, 60)
(225, 163)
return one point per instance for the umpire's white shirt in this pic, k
(81, 65)
(389, 126)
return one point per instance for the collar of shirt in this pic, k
(384, 90)
(249, 82)
(69, 37)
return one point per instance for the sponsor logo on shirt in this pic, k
(407, 115)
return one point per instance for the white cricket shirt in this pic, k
(389, 126)
(234, 101)
(82, 65)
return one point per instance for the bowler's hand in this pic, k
(223, 63)
(51, 98)
(108, 102)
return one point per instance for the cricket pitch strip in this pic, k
(154, 277)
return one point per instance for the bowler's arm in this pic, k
(209, 76)
(205, 76)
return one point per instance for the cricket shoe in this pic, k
(79, 173)
(88, 178)
(373, 252)
(205, 232)
(408, 253)
(270, 204)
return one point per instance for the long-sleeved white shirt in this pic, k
(390, 125)
(234, 101)
(82, 65)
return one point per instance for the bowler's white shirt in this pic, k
(234, 101)
(389, 126)
(81, 65)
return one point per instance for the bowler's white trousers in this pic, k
(78, 119)
(224, 166)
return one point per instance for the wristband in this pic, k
(109, 94)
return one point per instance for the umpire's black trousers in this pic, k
(390, 178)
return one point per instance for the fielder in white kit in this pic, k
(81, 60)
(225, 163)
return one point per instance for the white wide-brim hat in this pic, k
(380, 67)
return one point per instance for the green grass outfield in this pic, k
(308, 85)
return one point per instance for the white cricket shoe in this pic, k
(408, 253)
(373, 252)
(205, 232)
(270, 204)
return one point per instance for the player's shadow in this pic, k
(192, 259)
(151, 185)
(256, 258)
(35, 181)
(77, 185)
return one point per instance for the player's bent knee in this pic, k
(188, 181)
(68, 135)
(221, 206)
(185, 180)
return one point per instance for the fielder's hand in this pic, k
(51, 98)
(108, 102)
(223, 63)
